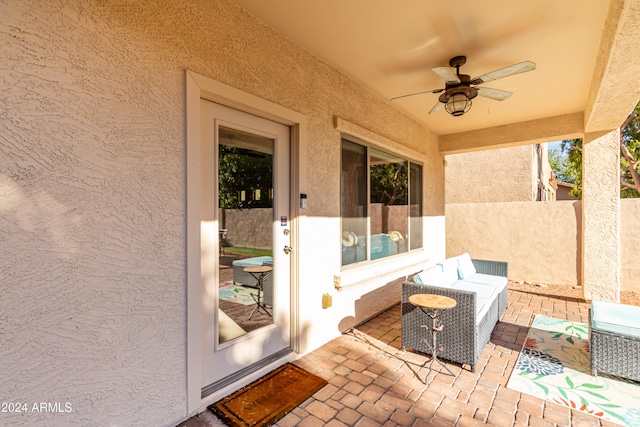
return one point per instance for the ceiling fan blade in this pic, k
(497, 94)
(447, 74)
(417, 93)
(522, 67)
(439, 106)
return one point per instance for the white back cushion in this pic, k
(450, 270)
(465, 266)
(433, 276)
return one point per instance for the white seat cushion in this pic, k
(485, 294)
(618, 319)
(487, 279)
(482, 307)
(251, 262)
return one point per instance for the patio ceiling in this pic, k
(586, 55)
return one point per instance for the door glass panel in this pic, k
(245, 203)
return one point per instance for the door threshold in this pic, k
(244, 373)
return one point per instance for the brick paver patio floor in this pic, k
(372, 382)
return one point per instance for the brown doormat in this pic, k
(268, 399)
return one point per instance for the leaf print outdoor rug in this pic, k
(237, 293)
(554, 365)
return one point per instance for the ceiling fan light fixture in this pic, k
(457, 104)
(459, 88)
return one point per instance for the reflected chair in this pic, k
(223, 239)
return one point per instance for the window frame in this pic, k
(410, 162)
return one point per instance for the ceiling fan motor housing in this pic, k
(463, 87)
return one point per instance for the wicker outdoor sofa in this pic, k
(481, 293)
(241, 277)
(614, 339)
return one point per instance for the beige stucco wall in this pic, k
(542, 174)
(500, 175)
(629, 244)
(541, 241)
(92, 180)
(538, 240)
(250, 228)
(563, 191)
(384, 219)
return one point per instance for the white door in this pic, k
(245, 229)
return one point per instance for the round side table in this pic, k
(258, 272)
(433, 306)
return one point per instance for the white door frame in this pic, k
(197, 87)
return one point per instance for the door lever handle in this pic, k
(287, 249)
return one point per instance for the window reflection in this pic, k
(381, 204)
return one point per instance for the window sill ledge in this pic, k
(381, 272)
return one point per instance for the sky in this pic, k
(554, 144)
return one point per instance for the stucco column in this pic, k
(601, 216)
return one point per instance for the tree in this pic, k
(567, 161)
(241, 172)
(570, 165)
(389, 183)
(563, 162)
(630, 159)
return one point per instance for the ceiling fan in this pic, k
(459, 90)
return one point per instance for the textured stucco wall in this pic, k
(601, 216)
(500, 175)
(541, 185)
(249, 228)
(92, 215)
(92, 180)
(541, 241)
